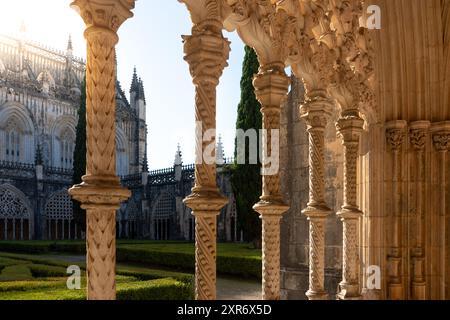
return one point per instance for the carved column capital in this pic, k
(418, 133)
(207, 54)
(395, 134)
(271, 86)
(316, 110)
(441, 136)
(107, 14)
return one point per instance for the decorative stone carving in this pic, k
(350, 128)
(316, 112)
(207, 52)
(395, 137)
(271, 87)
(418, 134)
(440, 132)
(101, 193)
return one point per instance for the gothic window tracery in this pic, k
(66, 149)
(15, 215)
(13, 142)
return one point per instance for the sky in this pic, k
(151, 42)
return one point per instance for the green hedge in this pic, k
(151, 254)
(160, 289)
(46, 271)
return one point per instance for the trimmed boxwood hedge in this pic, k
(244, 266)
(46, 271)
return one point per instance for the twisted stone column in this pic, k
(350, 127)
(100, 193)
(271, 87)
(207, 53)
(418, 135)
(441, 141)
(316, 111)
(395, 137)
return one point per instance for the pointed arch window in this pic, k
(13, 143)
(67, 149)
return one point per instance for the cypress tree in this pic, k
(79, 156)
(246, 178)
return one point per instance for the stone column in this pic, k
(395, 136)
(350, 127)
(271, 87)
(418, 135)
(316, 111)
(100, 193)
(441, 141)
(206, 51)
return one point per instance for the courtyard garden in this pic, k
(146, 270)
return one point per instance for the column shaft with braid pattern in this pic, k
(316, 112)
(206, 52)
(350, 128)
(100, 96)
(101, 193)
(271, 87)
(271, 258)
(101, 254)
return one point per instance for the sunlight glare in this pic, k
(49, 22)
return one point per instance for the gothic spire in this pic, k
(178, 157)
(141, 94)
(134, 82)
(220, 156)
(69, 44)
(145, 163)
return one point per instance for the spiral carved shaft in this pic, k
(271, 258)
(316, 114)
(271, 87)
(205, 114)
(350, 127)
(100, 102)
(316, 166)
(271, 181)
(350, 253)
(316, 257)
(205, 257)
(101, 254)
(207, 54)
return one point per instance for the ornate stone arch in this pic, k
(59, 206)
(122, 150)
(15, 117)
(63, 129)
(163, 212)
(58, 212)
(16, 214)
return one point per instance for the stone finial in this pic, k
(220, 156)
(178, 157)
